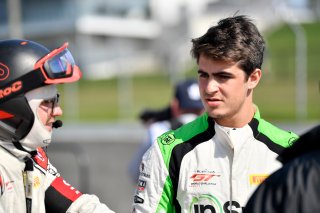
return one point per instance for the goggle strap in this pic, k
(28, 81)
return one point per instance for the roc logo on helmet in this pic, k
(15, 87)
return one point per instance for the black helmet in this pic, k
(24, 66)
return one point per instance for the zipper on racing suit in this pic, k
(230, 143)
(28, 183)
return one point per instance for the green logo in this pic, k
(292, 141)
(205, 204)
(167, 139)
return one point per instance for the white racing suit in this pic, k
(203, 167)
(32, 185)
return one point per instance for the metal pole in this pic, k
(301, 57)
(125, 93)
(14, 13)
(301, 71)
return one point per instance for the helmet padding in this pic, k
(38, 136)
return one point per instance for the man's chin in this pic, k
(49, 128)
(215, 114)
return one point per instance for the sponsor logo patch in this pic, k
(167, 139)
(4, 72)
(41, 158)
(9, 186)
(292, 141)
(256, 179)
(143, 172)
(66, 189)
(203, 178)
(13, 88)
(36, 182)
(5, 185)
(207, 203)
(141, 185)
(138, 199)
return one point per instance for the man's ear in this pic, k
(254, 78)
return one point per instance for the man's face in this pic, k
(226, 92)
(47, 111)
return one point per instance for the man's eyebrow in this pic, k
(220, 72)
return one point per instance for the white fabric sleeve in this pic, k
(88, 204)
(153, 175)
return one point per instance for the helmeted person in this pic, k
(29, 73)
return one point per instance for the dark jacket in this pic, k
(296, 186)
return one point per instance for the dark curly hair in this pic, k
(234, 40)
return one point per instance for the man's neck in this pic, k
(238, 120)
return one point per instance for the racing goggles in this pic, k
(59, 66)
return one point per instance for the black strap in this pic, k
(18, 145)
(27, 173)
(29, 81)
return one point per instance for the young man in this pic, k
(28, 111)
(215, 162)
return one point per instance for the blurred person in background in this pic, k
(184, 107)
(215, 162)
(149, 116)
(295, 187)
(28, 110)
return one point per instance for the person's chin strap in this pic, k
(18, 145)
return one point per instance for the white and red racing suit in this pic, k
(30, 184)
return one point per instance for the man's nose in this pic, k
(212, 86)
(57, 111)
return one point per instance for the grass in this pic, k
(281, 51)
(277, 102)
(123, 99)
(107, 100)
(278, 85)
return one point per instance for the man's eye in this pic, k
(203, 75)
(48, 102)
